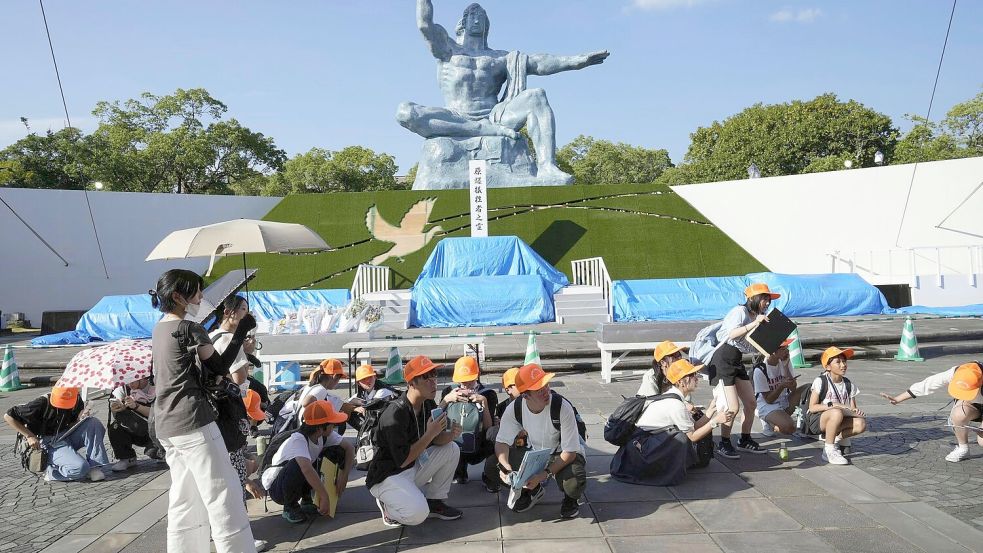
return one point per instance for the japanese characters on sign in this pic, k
(477, 183)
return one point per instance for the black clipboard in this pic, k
(768, 336)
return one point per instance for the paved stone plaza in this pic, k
(899, 495)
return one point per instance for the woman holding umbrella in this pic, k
(204, 485)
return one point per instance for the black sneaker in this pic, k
(570, 507)
(307, 506)
(490, 486)
(725, 449)
(750, 446)
(293, 514)
(528, 499)
(461, 476)
(443, 511)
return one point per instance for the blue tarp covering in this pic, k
(481, 301)
(71, 337)
(711, 298)
(497, 280)
(823, 295)
(273, 305)
(975, 310)
(695, 299)
(118, 317)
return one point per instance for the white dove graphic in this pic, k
(408, 237)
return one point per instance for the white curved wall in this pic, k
(33, 279)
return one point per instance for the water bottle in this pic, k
(797, 415)
(783, 453)
(261, 443)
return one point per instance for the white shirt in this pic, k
(667, 412)
(736, 317)
(648, 387)
(768, 380)
(293, 447)
(319, 393)
(539, 426)
(220, 340)
(835, 394)
(936, 381)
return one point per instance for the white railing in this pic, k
(593, 272)
(368, 279)
(897, 265)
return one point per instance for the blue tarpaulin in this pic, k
(497, 280)
(696, 299)
(481, 301)
(118, 317)
(823, 295)
(975, 310)
(711, 298)
(69, 338)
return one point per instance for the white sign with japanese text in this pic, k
(477, 171)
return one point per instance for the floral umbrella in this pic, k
(105, 367)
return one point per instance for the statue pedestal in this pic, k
(444, 163)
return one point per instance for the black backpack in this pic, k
(810, 421)
(275, 442)
(281, 424)
(621, 424)
(554, 413)
(367, 442)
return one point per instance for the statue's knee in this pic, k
(404, 113)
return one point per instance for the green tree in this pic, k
(787, 139)
(177, 142)
(411, 175)
(54, 160)
(353, 169)
(593, 161)
(958, 135)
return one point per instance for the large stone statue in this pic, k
(479, 120)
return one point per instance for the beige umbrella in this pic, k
(240, 236)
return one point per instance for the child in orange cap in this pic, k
(776, 391)
(370, 393)
(319, 385)
(963, 383)
(654, 381)
(836, 409)
(44, 422)
(474, 400)
(489, 477)
(292, 476)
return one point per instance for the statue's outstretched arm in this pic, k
(435, 35)
(547, 64)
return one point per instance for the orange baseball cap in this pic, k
(64, 398)
(679, 369)
(466, 369)
(966, 382)
(508, 378)
(759, 288)
(252, 406)
(363, 372)
(667, 348)
(419, 365)
(532, 377)
(322, 412)
(834, 351)
(332, 367)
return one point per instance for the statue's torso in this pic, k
(471, 83)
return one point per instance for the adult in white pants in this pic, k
(205, 495)
(413, 468)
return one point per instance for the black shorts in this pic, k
(728, 364)
(979, 409)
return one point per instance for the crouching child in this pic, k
(292, 475)
(549, 422)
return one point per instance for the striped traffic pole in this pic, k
(795, 352)
(908, 350)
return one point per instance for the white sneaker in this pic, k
(957, 454)
(122, 464)
(96, 475)
(833, 456)
(260, 545)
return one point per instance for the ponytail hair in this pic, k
(185, 283)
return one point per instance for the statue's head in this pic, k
(474, 22)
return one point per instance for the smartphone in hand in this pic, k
(436, 413)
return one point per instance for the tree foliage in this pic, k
(787, 139)
(54, 160)
(959, 135)
(594, 161)
(353, 169)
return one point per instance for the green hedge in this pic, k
(641, 231)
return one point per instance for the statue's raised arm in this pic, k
(547, 64)
(436, 36)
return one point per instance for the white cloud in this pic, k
(802, 15)
(666, 4)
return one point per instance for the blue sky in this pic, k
(330, 73)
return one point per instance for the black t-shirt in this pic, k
(43, 419)
(399, 429)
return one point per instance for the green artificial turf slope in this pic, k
(641, 231)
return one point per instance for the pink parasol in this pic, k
(106, 367)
